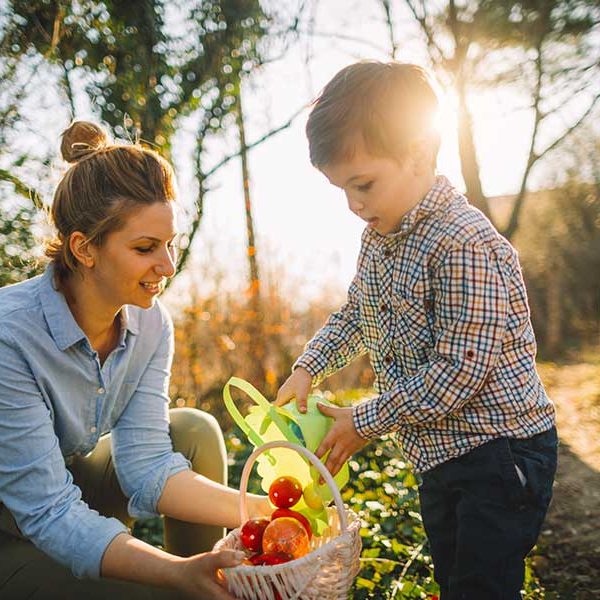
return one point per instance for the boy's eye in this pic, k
(365, 187)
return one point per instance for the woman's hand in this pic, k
(200, 576)
(259, 506)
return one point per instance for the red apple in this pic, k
(285, 492)
(251, 533)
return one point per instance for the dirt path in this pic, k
(568, 561)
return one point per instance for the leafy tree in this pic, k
(146, 64)
(545, 48)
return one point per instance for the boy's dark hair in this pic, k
(386, 105)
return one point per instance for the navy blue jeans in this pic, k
(481, 521)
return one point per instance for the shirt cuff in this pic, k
(143, 502)
(314, 363)
(365, 416)
(98, 540)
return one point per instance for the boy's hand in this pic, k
(342, 438)
(297, 385)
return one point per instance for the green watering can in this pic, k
(266, 422)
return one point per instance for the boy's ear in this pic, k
(81, 249)
(421, 155)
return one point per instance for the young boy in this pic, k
(439, 303)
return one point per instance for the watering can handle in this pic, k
(259, 399)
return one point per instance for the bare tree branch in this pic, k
(257, 142)
(387, 9)
(440, 58)
(23, 189)
(344, 37)
(202, 177)
(570, 130)
(532, 158)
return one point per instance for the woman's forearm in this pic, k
(194, 498)
(199, 576)
(130, 559)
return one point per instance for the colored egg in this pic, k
(286, 534)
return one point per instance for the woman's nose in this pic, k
(166, 266)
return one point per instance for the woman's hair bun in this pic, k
(81, 139)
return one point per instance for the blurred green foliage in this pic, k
(18, 246)
(145, 63)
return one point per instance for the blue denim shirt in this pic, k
(56, 400)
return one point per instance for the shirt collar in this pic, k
(435, 199)
(130, 320)
(63, 327)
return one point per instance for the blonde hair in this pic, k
(385, 105)
(105, 184)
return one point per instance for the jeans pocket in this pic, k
(537, 458)
(517, 493)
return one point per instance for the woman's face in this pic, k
(133, 263)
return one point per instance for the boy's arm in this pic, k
(337, 343)
(471, 304)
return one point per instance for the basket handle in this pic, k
(307, 454)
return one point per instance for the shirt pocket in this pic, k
(413, 322)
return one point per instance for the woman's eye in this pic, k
(365, 187)
(145, 250)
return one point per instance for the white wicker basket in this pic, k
(325, 573)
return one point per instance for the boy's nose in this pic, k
(354, 204)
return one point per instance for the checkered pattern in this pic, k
(441, 309)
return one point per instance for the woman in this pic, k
(85, 356)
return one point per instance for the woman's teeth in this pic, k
(153, 287)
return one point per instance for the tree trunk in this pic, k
(468, 155)
(255, 325)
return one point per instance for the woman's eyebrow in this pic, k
(151, 238)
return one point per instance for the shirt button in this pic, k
(387, 253)
(388, 359)
(93, 429)
(384, 307)
(101, 390)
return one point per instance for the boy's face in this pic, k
(380, 190)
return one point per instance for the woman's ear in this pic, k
(81, 249)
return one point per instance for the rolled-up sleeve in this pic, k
(338, 343)
(35, 484)
(471, 307)
(142, 447)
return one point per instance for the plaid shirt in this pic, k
(441, 308)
